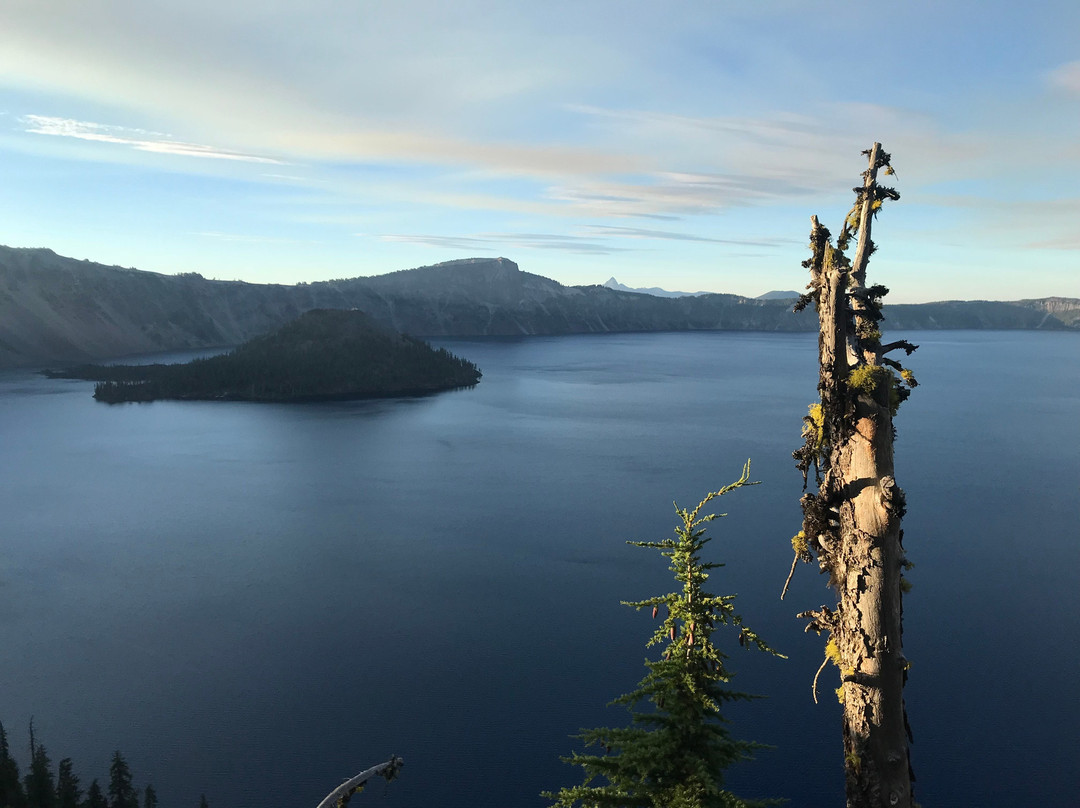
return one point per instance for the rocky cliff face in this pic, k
(56, 310)
(1062, 308)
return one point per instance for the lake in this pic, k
(257, 601)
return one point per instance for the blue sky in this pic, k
(682, 144)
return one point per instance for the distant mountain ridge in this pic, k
(57, 310)
(655, 291)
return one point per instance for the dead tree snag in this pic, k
(851, 526)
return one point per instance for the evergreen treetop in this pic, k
(68, 793)
(11, 790)
(95, 797)
(39, 783)
(122, 793)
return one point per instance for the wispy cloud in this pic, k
(442, 242)
(243, 239)
(669, 235)
(671, 193)
(490, 242)
(138, 139)
(1063, 243)
(1066, 77)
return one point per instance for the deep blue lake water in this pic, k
(257, 601)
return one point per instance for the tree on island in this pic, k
(851, 526)
(322, 355)
(676, 750)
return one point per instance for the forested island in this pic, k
(322, 355)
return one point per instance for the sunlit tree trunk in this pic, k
(851, 526)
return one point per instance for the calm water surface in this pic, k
(256, 601)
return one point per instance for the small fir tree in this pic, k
(122, 793)
(95, 797)
(40, 785)
(150, 797)
(68, 793)
(674, 754)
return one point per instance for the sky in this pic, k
(682, 144)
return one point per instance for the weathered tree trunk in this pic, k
(852, 525)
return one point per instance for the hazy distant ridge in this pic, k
(656, 291)
(55, 310)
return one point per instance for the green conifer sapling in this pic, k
(677, 748)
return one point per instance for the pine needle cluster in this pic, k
(678, 745)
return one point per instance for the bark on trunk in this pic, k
(852, 525)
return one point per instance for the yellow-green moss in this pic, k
(815, 427)
(866, 378)
(832, 652)
(799, 544)
(854, 761)
(870, 333)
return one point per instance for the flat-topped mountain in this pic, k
(322, 355)
(60, 310)
(777, 294)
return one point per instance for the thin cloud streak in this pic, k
(489, 242)
(645, 233)
(242, 239)
(1064, 243)
(138, 139)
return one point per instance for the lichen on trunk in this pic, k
(851, 525)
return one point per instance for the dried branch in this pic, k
(340, 796)
(824, 662)
(790, 575)
(898, 345)
(823, 619)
